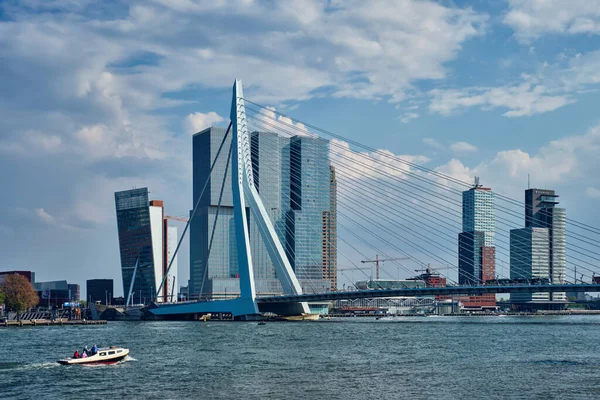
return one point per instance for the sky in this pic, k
(97, 97)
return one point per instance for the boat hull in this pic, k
(102, 357)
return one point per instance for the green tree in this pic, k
(2, 296)
(19, 293)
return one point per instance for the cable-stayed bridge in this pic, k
(381, 204)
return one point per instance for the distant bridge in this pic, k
(430, 291)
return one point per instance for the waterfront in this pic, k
(358, 358)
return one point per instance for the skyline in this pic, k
(78, 128)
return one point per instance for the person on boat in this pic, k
(94, 349)
(76, 354)
(86, 351)
(84, 355)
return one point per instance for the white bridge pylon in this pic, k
(243, 188)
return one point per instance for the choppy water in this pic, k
(433, 357)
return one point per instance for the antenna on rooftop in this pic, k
(476, 183)
(528, 185)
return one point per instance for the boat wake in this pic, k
(15, 366)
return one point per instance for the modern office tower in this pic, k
(206, 273)
(276, 161)
(330, 233)
(310, 195)
(143, 235)
(529, 258)
(75, 292)
(541, 212)
(476, 251)
(98, 290)
(172, 283)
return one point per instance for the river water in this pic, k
(358, 358)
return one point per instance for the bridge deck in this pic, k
(431, 291)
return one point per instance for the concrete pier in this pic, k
(47, 322)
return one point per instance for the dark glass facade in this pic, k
(135, 240)
(99, 290)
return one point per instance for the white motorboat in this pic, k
(106, 355)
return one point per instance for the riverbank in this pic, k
(46, 322)
(468, 314)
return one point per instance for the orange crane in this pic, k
(176, 218)
(377, 260)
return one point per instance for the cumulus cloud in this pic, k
(550, 87)
(356, 165)
(432, 142)
(196, 122)
(463, 147)
(406, 118)
(558, 162)
(522, 100)
(533, 18)
(333, 47)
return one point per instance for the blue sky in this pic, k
(97, 97)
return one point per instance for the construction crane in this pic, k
(377, 260)
(176, 218)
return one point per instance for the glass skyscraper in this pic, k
(529, 258)
(541, 215)
(284, 170)
(310, 189)
(140, 236)
(476, 251)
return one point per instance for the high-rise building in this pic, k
(171, 283)
(330, 233)
(476, 251)
(143, 239)
(310, 188)
(74, 291)
(541, 212)
(99, 290)
(529, 258)
(539, 250)
(292, 178)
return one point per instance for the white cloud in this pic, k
(593, 192)
(406, 118)
(333, 47)
(549, 88)
(198, 121)
(522, 100)
(37, 214)
(463, 147)
(432, 142)
(43, 215)
(356, 165)
(559, 162)
(532, 18)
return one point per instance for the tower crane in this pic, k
(377, 260)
